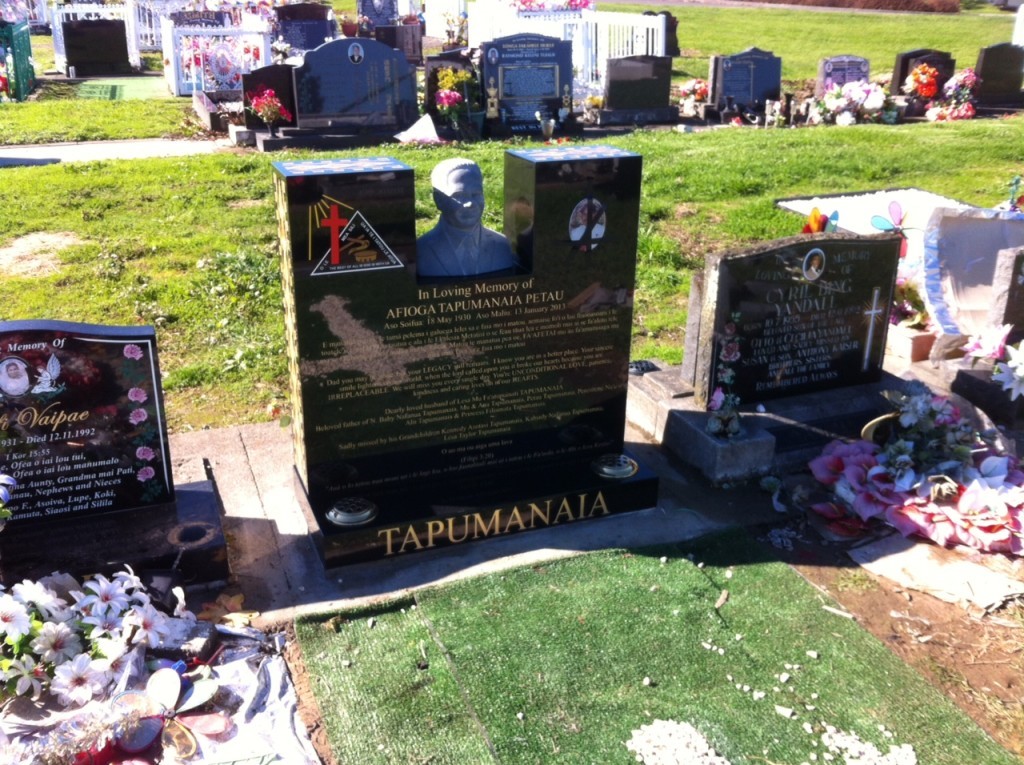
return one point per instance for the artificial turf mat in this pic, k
(123, 88)
(547, 664)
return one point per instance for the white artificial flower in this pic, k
(108, 624)
(106, 596)
(76, 681)
(30, 676)
(14, 618)
(874, 99)
(1012, 379)
(42, 597)
(115, 658)
(144, 624)
(846, 119)
(56, 643)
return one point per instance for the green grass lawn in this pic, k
(189, 244)
(547, 664)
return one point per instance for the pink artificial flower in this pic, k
(138, 416)
(730, 351)
(874, 489)
(138, 395)
(144, 453)
(146, 474)
(829, 465)
(132, 351)
(991, 344)
(717, 399)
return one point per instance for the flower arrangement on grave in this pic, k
(5, 85)
(908, 308)
(923, 82)
(1007, 361)
(852, 103)
(957, 102)
(924, 470)
(456, 96)
(280, 49)
(694, 90)
(723, 407)
(74, 641)
(550, 6)
(268, 107)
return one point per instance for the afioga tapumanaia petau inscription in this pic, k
(82, 426)
(795, 316)
(436, 411)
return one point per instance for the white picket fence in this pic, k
(213, 58)
(85, 11)
(596, 35)
(145, 19)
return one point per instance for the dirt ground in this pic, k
(975, 659)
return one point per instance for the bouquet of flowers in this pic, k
(450, 104)
(957, 102)
(854, 102)
(928, 473)
(1007, 361)
(694, 90)
(74, 641)
(268, 107)
(923, 81)
(908, 307)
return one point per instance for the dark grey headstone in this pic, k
(431, 412)
(773, 325)
(356, 84)
(96, 47)
(278, 78)
(81, 412)
(407, 38)
(749, 78)
(1000, 69)
(839, 70)
(942, 62)
(306, 26)
(532, 74)
(638, 82)
(902, 67)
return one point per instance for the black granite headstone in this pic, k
(532, 73)
(749, 78)
(96, 47)
(407, 38)
(794, 316)
(638, 82)
(1000, 71)
(907, 61)
(839, 70)
(83, 431)
(306, 26)
(358, 84)
(429, 413)
(276, 77)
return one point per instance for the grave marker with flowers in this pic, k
(83, 432)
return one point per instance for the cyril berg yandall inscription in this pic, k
(796, 316)
(434, 410)
(81, 420)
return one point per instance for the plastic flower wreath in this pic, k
(922, 81)
(929, 475)
(957, 102)
(694, 90)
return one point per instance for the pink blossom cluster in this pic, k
(983, 510)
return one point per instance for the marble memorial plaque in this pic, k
(532, 73)
(839, 70)
(795, 316)
(355, 83)
(435, 411)
(82, 425)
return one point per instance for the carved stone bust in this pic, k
(459, 245)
